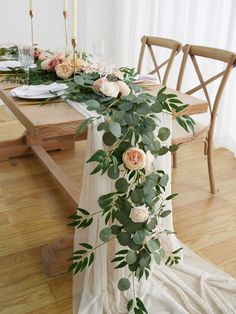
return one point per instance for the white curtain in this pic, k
(121, 23)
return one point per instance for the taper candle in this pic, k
(31, 6)
(65, 5)
(75, 16)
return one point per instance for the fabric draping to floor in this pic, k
(192, 287)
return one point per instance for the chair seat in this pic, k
(179, 135)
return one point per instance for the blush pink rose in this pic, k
(98, 83)
(55, 60)
(42, 56)
(134, 159)
(53, 63)
(63, 70)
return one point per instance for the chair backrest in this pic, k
(227, 57)
(172, 45)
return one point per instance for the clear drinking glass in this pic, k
(98, 50)
(26, 58)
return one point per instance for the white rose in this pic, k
(139, 214)
(149, 161)
(134, 158)
(119, 75)
(110, 89)
(63, 70)
(45, 63)
(123, 87)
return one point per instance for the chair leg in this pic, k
(174, 157)
(210, 169)
(205, 147)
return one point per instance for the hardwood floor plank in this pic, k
(61, 287)
(63, 307)
(25, 301)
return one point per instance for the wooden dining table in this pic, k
(52, 126)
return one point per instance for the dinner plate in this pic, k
(42, 96)
(4, 65)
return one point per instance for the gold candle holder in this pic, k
(66, 32)
(32, 27)
(73, 42)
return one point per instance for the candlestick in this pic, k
(74, 29)
(73, 42)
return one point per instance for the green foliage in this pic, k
(130, 121)
(124, 284)
(105, 234)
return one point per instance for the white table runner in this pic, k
(194, 286)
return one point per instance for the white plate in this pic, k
(43, 96)
(11, 63)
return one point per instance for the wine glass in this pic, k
(98, 50)
(26, 58)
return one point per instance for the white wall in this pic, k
(49, 25)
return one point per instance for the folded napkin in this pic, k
(4, 65)
(37, 90)
(144, 77)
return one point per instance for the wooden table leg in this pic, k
(21, 146)
(14, 148)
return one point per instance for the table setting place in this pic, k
(124, 254)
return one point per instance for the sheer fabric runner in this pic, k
(194, 286)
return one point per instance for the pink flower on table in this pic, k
(98, 83)
(134, 158)
(53, 63)
(110, 89)
(42, 56)
(63, 70)
(123, 87)
(44, 64)
(36, 53)
(55, 60)
(75, 64)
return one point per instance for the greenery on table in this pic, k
(128, 122)
(9, 53)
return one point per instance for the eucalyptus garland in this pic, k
(132, 136)
(134, 210)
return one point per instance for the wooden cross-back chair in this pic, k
(149, 41)
(203, 133)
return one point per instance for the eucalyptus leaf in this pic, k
(113, 172)
(131, 257)
(157, 107)
(139, 236)
(124, 238)
(108, 138)
(115, 129)
(122, 185)
(123, 284)
(137, 195)
(105, 234)
(163, 133)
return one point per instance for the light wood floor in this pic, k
(32, 213)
